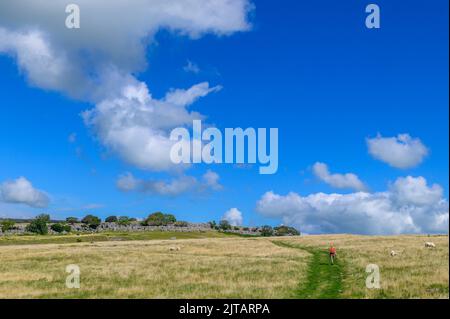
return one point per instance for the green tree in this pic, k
(169, 219)
(155, 219)
(60, 227)
(212, 224)
(39, 225)
(111, 219)
(92, 221)
(7, 225)
(72, 220)
(159, 219)
(266, 231)
(124, 220)
(286, 231)
(224, 225)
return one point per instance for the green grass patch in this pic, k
(324, 280)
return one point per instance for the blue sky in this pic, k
(311, 69)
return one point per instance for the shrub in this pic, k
(266, 231)
(286, 231)
(72, 220)
(111, 219)
(224, 225)
(124, 220)
(236, 228)
(169, 218)
(92, 221)
(7, 225)
(155, 219)
(59, 228)
(39, 225)
(159, 219)
(212, 224)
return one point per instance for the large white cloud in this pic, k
(37, 59)
(233, 216)
(137, 127)
(112, 34)
(415, 191)
(98, 63)
(408, 206)
(176, 186)
(348, 180)
(401, 151)
(21, 191)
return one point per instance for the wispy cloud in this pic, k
(173, 187)
(347, 180)
(191, 67)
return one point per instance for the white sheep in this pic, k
(393, 253)
(174, 248)
(429, 244)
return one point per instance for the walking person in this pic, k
(332, 252)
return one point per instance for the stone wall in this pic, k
(134, 227)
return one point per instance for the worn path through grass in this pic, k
(324, 280)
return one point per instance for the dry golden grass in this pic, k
(226, 268)
(202, 268)
(416, 271)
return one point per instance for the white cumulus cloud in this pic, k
(415, 191)
(35, 57)
(98, 62)
(233, 216)
(21, 191)
(348, 180)
(408, 206)
(402, 151)
(112, 34)
(137, 127)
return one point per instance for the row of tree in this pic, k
(265, 231)
(39, 225)
(155, 219)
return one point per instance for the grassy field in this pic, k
(415, 272)
(108, 236)
(215, 265)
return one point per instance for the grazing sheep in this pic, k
(393, 253)
(174, 248)
(429, 244)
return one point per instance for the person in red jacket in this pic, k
(332, 252)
